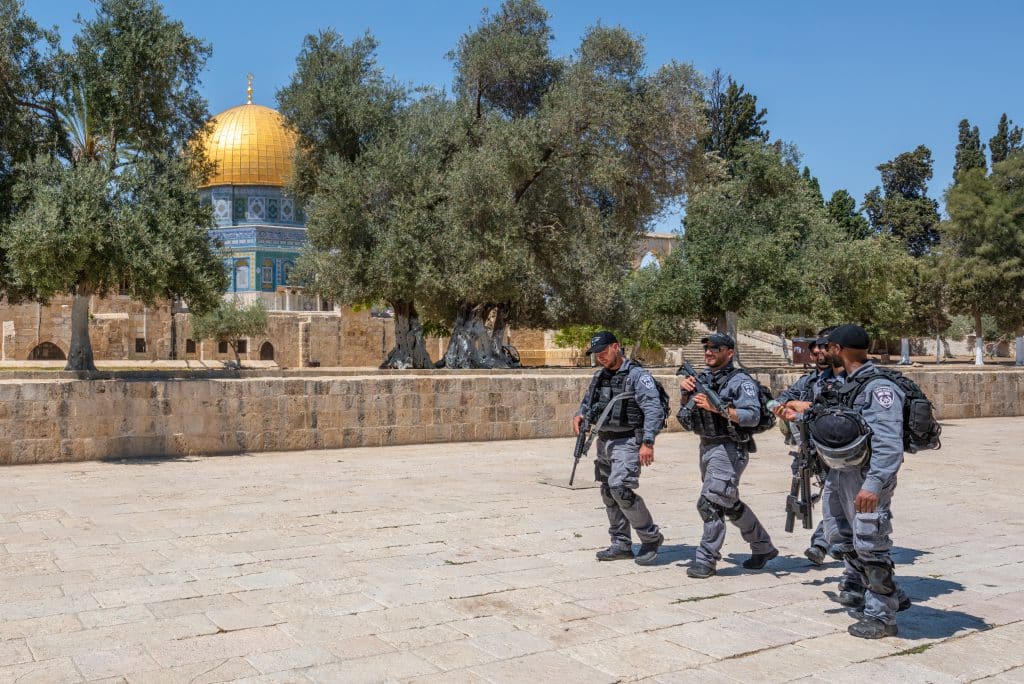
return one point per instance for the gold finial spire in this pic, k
(249, 89)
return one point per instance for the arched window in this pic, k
(47, 351)
(266, 352)
(242, 274)
(650, 259)
(267, 276)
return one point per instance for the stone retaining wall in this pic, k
(56, 419)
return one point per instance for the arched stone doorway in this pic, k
(47, 351)
(266, 352)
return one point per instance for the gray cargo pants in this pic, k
(617, 468)
(870, 539)
(721, 466)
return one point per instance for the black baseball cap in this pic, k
(822, 339)
(850, 336)
(719, 339)
(600, 341)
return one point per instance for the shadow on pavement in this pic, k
(904, 556)
(671, 553)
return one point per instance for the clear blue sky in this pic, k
(853, 84)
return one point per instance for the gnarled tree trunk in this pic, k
(80, 351)
(472, 344)
(410, 350)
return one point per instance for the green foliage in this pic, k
(842, 209)
(84, 226)
(28, 96)
(229, 322)
(524, 194)
(338, 101)
(755, 241)
(660, 302)
(901, 206)
(813, 183)
(732, 115)
(868, 281)
(140, 73)
(115, 201)
(970, 152)
(576, 336)
(1006, 141)
(986, 242)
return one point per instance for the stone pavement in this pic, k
(455, 563)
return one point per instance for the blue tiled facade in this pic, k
(262, 232)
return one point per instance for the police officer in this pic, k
(724, 449)
(860, 436)
(625, 443)
(793, 401)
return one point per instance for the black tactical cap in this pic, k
(823, 336)
(850, 336)
(719, 339)
(601, 340)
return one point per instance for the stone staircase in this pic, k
(755, 351)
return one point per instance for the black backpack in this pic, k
(921, 430)
(764, 395)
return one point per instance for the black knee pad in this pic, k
(625, 496)
(606, 495)
(736, 512)
(708, 509)
(879, 576)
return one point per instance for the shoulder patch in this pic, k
(647, 381)
(884, 396)
(749, 389)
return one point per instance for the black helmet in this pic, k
(840, 436)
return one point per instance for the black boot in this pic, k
(649, 551)
(615, 552)
(758, 560)
(872, 628)
(700, 571)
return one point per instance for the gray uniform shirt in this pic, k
(880, 402)
(740, 391)
(646, 396)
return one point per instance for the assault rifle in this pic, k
(582, 446)
(686, 370)
(584, 440)
(800, 501)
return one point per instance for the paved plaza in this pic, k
(465, 563)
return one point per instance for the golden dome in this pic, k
(250, 146)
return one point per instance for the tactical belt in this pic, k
(608, 434)
(713, 441)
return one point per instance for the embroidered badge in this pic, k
(749, 389)
(885, 397)
(647, 381)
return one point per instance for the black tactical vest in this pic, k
(708, 424)
(626, 415)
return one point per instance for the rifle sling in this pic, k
(603, 417)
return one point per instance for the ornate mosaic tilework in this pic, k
(257, 208)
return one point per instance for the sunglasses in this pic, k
(714, 349)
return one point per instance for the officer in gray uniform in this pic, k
(859, 433)
(793, 401)
(625, 443)
(724, 453)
